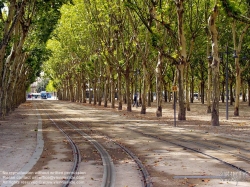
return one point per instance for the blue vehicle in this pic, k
(43, 95)
(48, 95)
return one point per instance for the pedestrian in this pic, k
(135, 100)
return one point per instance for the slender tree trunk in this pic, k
(248, 86)
(119, 90)
(90, 92)
(223, 92)
(238, 69)
(71, 89)
(202, 91)
(106, 92)
(183, 59)
(209, 69)
(231, 93)
(95, 90)
(244, 94)
(112, 91)
(83, 88)
(192, 88)
(150, 88)
(215, 67)
(78, 92)
(144, 87)
(128, 92)
(187, 88)
(158, 71)
(181, 99)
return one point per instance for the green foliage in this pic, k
(238, 10)
(155, 39)
(50, 86)
(230, 6)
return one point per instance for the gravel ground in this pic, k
(18, 141)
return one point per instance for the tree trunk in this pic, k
(238, 69)
(231, 94)
(78, 92)
(202, 91)
(187, 88)
(248, 86)
(158, 71)
(112, 91)
(144, 87)
(90, 92)
(128, 92)
(119, 91)
(95, 90)
(106, 88)
(182, 108)
(192, 88)
(182, 59)
(83, 90)
(215, 67)
(244, 99)
(71, 89)
(223, 92)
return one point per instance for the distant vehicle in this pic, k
(43, 94)
(35, 95)
(196, 95)
(48, 95)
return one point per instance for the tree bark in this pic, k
(215, 67)
(187, 88)
(158, 71)
(238, 70)
(119, 90)
(248, 85)
(182, 59)
(128, 91)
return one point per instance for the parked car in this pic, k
(43, 95)
(48, 95)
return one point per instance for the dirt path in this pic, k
(18, 141)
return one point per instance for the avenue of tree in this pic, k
(114, 49)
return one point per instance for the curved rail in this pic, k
(200, 152)
(76, 154)
(147, 180)
(109, 169)
(108, 179)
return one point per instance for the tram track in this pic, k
(109, 169)
(197, 151)
(145, 175)
(216, 146)
(204, 146)
(76, 155)
(108, 179)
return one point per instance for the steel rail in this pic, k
(146, 177)
(200, 152)
(194, 150)
(76, 155)
(108, 179)
(212, 147)
(147, 182)
(214, 141)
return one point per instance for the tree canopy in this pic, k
(114, 49)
